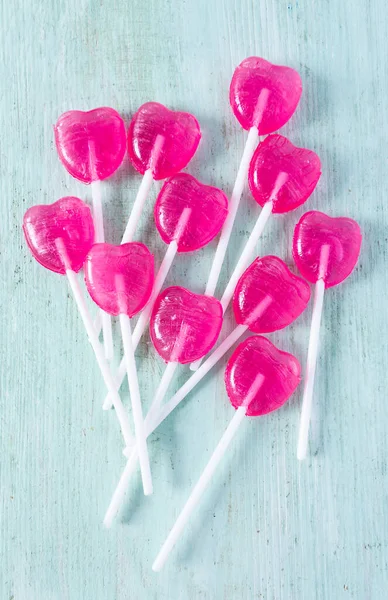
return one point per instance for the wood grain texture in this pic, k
(269, 528)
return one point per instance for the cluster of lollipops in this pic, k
(65, 237)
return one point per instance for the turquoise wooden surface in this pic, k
(269, 527)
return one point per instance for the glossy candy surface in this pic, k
(263, 94)
(208, 206)
(184, 326)
(269, 277)
(275, 155)
(68, 219)
(255, 357)
(179, 138)
(120, 278)
(91, 145)
(341, 235)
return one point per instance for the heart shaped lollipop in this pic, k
(259, 378)
(120, 280)
(280, 371)
(326, 251)
(91, 145)
(184, 326)
(264, 95)
(208, 210)
(70, 220)
(269, 277)
(179, 132)
(302, 169)
(341, 235)
(133, 263)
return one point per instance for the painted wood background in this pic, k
(269, 528)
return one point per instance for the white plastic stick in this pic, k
(144, 317)
(162, 390)
(250, 145)
(98, 349)
(142, 193)
(206, 477)
(138, 206)
(133, 383)
(312, 356)
(199, 489)
(246, 254)
(100, 237)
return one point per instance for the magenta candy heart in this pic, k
(68, 219)
(120, 278)
(263, 94)
(277, 155)
(269, 278)
(184, 326)
(258, 357)
(208, 210)
(341, 237)
(179, 134)
(91, 145)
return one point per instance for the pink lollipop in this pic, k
(91, 146)
(268, 297)
(161, 142)
(263, 98)
(120, 280)
(188, 215)
(60, 236)
(281, 178)
(184, 327)
(326, 251)
(259, 379)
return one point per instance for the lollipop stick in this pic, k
(250, 145)
(246, 254)
(162, 390)
(133, 384)
(98, 350)
(98, 220)
(206, 476)
(142, 193)
(158, 284)
(161, 276)
(312, 356)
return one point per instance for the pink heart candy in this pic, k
(268, 278)
(184, 326)
(91, 145)
(208, 210)
(263, 94)
(341, 237)
(258, 357)
(68, 219)
(301, 168)
(120, 278)
(178, 136)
